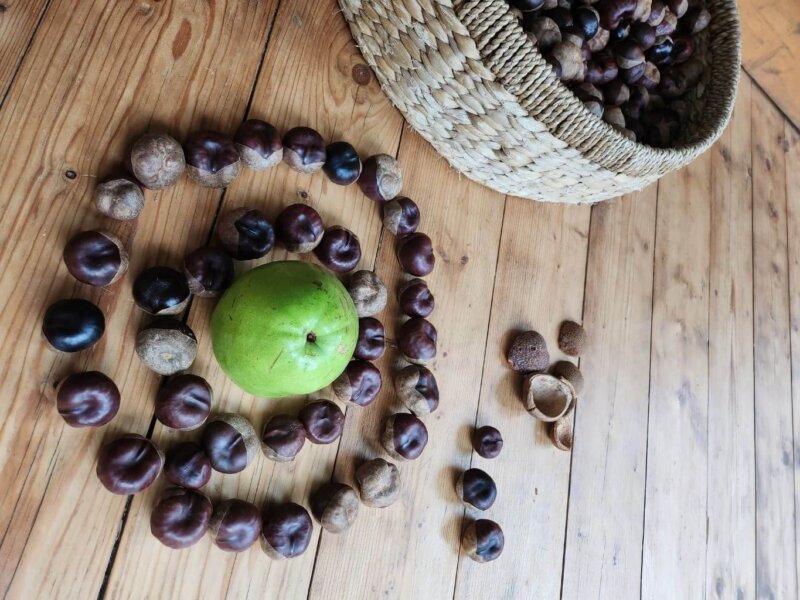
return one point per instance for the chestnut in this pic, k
(245, 233)
(667, 25)
(415, 253)
(359, 384)
(368, 293)
(527, 5)
(633, 76)
(562, 17)
(371, 339)
(528, 352)
(299, 228)
(157, 160)
(628, 55)
(212, 159)
(587, 20)
(571, 338)
(620, 32)
(161, 291)
(381, 178)
(342, 164)
(599, 41)
(682, 49)
(120, 198)
(487, 441)
(322, 421)
(651, 77)
(180, 518)
(166, 346)
(187, 465)
(591, 97)
(657, 11)
(546, 32)
(566, 59)
(282, 438)
(304, 150)
(230, 442)
(88, 399)
(417, 341)
(209, 271)
(636, 104)
(258, 144)
(184, 402)
(695, 20)
(335, 506)
(483, 540)
(235, 525)
(613, 116)
(417, 389)
(404, 436)
(339, 249)
(95, 258)
(415, 298)
(378, 483)
(73, 325)
(643, 34)
(477, 489)
(128, 464)
(678, 7)
(602, 68)
(286, 530)
(401, 215)
(616, 93)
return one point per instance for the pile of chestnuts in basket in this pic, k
(631, 62)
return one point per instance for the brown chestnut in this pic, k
(678, 7)
(487, 441)
(476, 488)
(209, 271)
(96, 258)
(599, 41)
(245, 233)
(567, 370)
(180, 518)
(621, 32)
(613, 116)
(187, 465)
(235, 525)
(667, 25)
(230, 441)
(416, 299)
(527, 5)
(695, 20)
(381, 178)
(368, 293)
(562, 16)
(282, 438)
(120, 198)
(417, 341)
(587, 20)
(339, 249)
(212, 159)
(371, 339)
(633, 76)
(567, 61)
(571, 338)
(73, 325)
(682, 49)
(359, 384)
(166, 346)
(401, 216)
(643, 34)
(635, 106)
(404, 436)
(157, 160)
(299, 228)
(335, 506)
(602, 68)
(546, 32)
(286, 530)
(658, 9)
(128, 464)
(378, 483)
(304, 150)
(616, 93)
(483, 540)
(628, 55)
(342, 164)
(528, 352)
(651, 77)
(415, 253)
(417, 389)
(259, 144)
(161, 291)
(591, 97)
(322, 421)
(184, 402)
(88, 399)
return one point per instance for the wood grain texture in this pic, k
(18, 23)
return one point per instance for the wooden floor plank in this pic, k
(793, 218)
(96, 76)
(674, 541)
(18, 24)
(288, 93)
(539, 283)
(603, 551)
(775, 508)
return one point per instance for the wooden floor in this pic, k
(683, 480)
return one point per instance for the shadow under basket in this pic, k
(468, 79)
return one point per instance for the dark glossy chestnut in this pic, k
(235, 525)
(416, 299)
(212, 159)
(586, 19)
(339, 250)
(381, 178)
(161, 291)
(643, 34)
(682, 49)
(416, 340)
(304, 150)
(695, 20)
(323, 421)
(96, 258)
(562, 17)
(157, 160)
(633, 76)
(378, 483)
(417, 389)
(401, 216)
(661, 52)
(342, 164)
(187, 465)
(667, 25)
(245, 233)
(658, 9)
(184, 402)
(616, 93)
(415, 253)
(88, 399)
(128, 464)
(73, 325)
(166, 346)
(360, 383)
(259, 144)
(282, 438)
(483, 540)
(620, 32)
(335, 506)
(404, 436)
(209, 271)
(371, 339)
(602, 68)
(477, 489)
(527, 5)
(180, 518)
(299, 228)
(368, 293)
(487, 441)
(230, 441)
(286, 530)
(119, 197)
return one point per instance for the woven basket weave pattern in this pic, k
(469, 80)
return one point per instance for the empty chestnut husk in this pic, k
(180, 518)
(88, 399)
(235, 525)
(487, 441)
(417, 389)
(286, 530)
(371, 339)
(184, 402)
(96, 258)
(128, 464)
(404, 436)
(401, 216)
(476, 488)
(416, 340)
(560, 432)
(359, 384)
(378, 483)
(166, 346)
(161, 291)
(322, 421)
(416, 299)
(381, 178)
(299, 228)
(245, 233)
(212, 159)
(157, 160)
(73, 325)
(547, 398)
(342, 164)
(304, 150)
(339, 249)
(483, 540)
(120, 198)
(368, 293)
(187, 465)
(335, 506)
(415, 253)
(259, 144)
(230, 441)
(209, 271)
(282, 438)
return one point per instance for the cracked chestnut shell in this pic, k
(230, 441)
(339, 249)
(299, 228)
(157, 160)
(286, 530)
(209, 271)
(381, 178)
(161, 291)
(378, 483)
(166, 346)
(88, 399)
(360, 383)
(477, 489)
(245, 233)
(120, 198)
(235, 525)
(323, 421)
(259, 144)
(73, 325)
(483, 540)
(187, 465)
(212, 159)
(371, 339)
(96, 258)
(368, 293)
(417, 389)
(415, 253)
(487, 441)
(128, 464)
(417, 340)
(342, 164)
(282, 438)
(404, 436)
(401, 216)
(304, 150)
(184, 402)
(416, 299)
(335, 506)
(180, 518)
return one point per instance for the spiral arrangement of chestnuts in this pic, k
(631, 62)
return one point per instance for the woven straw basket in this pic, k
(468, 79)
